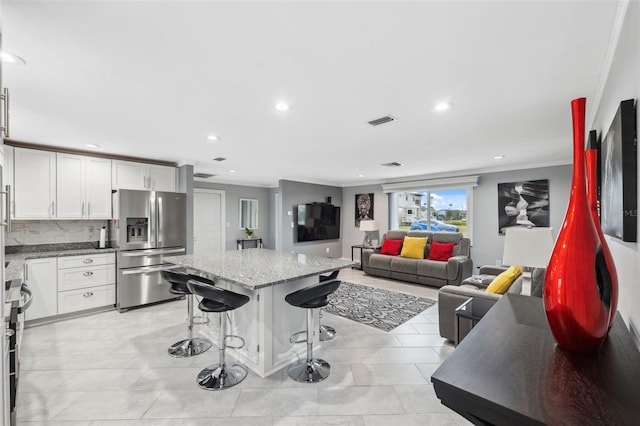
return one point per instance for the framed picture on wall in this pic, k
(364, 208)
(619, 165)
(524, 203)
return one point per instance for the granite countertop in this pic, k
(16, 255)
(258, 268)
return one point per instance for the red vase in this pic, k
(592, 195)
(577, 286)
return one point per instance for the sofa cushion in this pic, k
(413, 247)
(433, 268)
(404, 265)
(502, 282)
(440, 251)
(391, 247)
(380, 261)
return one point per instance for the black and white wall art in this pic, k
(524, 203)
(619, 165)
(364, 208)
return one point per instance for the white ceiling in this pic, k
(152, 79)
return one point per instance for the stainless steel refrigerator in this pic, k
(146, 226)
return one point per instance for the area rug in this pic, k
(382, 309)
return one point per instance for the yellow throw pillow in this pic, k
(502, 282)
(413, 247)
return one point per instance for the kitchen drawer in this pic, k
(89, 276)
(88, 260)
(86, 298)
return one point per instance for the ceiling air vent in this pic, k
(203, 175)
(392, 164)
(382, 120)
(219, 159)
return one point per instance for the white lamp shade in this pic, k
(368, 225)
(529, 247)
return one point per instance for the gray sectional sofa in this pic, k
(452, 296)
(422, 271)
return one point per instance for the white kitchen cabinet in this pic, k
(86, 282)
(132, 175)
(83, 187)
(34, 184)
(41, 278)
(7, 175)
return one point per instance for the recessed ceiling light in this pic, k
(360, 175)
(499, 157)
(10, 58)
(282, 106)
(442, 106)
(213, 138)
(91, 145)
(232, 171)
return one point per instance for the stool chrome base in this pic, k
(327, 332)
(189, 347)
(310, 372)
(216, 377)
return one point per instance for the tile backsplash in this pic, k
(53, 231)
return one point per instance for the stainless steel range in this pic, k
(147, 225)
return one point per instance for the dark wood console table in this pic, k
(509, 371)
(249, 243)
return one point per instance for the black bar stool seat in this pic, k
(191, 345)
(311, 370)
(215, 299)
(326, 331)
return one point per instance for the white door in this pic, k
(208, 221)
(70, 185)
(35, 184)
(98, 188)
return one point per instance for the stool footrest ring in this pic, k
(294, 337)
(233, 336)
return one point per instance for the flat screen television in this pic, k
(316, 222)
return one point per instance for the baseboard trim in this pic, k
(635, 335)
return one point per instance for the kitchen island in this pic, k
(267, 321)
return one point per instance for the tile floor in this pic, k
(113, 369)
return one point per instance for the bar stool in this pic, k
(190, 346)
(326, 331)
(214, 299)
(311, 370)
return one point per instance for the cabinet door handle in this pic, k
(82, 211)
(7, 219)
(89, 209)
(87, 274)
(5, 100)
(87, 261)
(88, 294)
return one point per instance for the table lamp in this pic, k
(369, 227)
(527, 247)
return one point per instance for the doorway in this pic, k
(208, 221)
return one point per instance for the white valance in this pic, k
(432, 184)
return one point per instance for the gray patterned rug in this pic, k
(376, 307)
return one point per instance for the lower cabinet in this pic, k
(69, 284)
(86, 282)
(40, 276)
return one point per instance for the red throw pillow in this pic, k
(391, 247)
(440, 251)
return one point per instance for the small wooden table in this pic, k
(249, 243)
(509, 371)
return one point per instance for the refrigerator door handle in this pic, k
(160, 238)
(152, 252)
(147, 269)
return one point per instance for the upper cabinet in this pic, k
(34, 184)
(83, 187)
(131, 175)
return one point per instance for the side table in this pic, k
(361, 247)
(473, 310)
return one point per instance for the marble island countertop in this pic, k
(15, 268)
(258, 268)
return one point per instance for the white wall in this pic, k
(623, 83)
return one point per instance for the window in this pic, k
(439, 205)
(443, 211)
